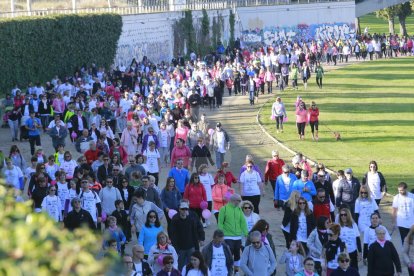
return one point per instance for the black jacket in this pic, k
(381, 260)
(102, 173)
(75, 122)
(208, 257)
(127, 201)
(201, 156)
(294, 225)
(383, 184)
(76, 219)
(186, 233)
(347, 194)
(146, 270)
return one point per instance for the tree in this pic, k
(232, 21)
(34, 244)
(403, 11)
(205, 31)
(389, 15)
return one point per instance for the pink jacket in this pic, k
(218, 193)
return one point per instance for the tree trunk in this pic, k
(403, 28)
(391, 25)
(357, 25)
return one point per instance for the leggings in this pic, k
(279, 122)
(353, 256)
(319, 82)
(314, 125)
(403, 232)
(301, 128)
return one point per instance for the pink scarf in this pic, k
(382, 243)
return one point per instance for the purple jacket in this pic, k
(145, 142)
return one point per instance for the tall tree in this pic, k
(403, 11)
(389, 15)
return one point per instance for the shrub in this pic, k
(37, 48)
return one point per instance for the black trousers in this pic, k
(34, 140)
(255, 200)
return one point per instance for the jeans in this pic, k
(14, 128)
(184, 257)
(279, 122)
(219, 159)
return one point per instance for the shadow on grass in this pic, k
(375, 139)
(373, 123)
(366, 108)
(374, 76)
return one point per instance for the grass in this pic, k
(372, 105)
(379, 25)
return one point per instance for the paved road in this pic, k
(239, 120)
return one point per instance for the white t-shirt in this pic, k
(89, 200)
(12, 176)
(194, 272)
(208, 181)
(335, 187)
(138, 268)
(69, 196)
(62, 191)
(52, 206)
(349, 235)
(218, 263)
(370, 237)
(163, 138)
(152, 160)
(302, 234)
(405, 212)
(221, 142)
(250, 182)
(365, 208)
(373, 181)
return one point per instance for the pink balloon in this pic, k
(103, 216)
(171, 213)
(210, 131)
(203, 205)
(206, 214)
(227, 196)
(74, 135)
(160, 259)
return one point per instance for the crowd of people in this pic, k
(130, 123)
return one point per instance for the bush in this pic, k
(34, 244)
(37, 48)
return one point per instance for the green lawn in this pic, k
(379, 25)
(372, 105)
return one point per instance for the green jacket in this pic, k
(319, 71)
(232, 221)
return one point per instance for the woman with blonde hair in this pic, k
(350, 235)
(289, 208)
(365, 205)
(161, 248)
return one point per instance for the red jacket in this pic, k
(91, 155)
(195, 194)
(229, 178)
(273, 169)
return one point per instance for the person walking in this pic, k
(375, 181)
(383, 257)
(233, 224)
(33, 125)
(301, 117)
(279, 114)
(319, 74)
(314, 121)
(258, 258)
(348, 191)
(185, 234)
(220, 143)
(251, 186)
(403, 210)
(217, 255)
(274, 168)
(408, 251)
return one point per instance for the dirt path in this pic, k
(238, 118)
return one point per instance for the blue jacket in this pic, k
(298, 185)
(148, 237)
(280, 188)
(170, 199)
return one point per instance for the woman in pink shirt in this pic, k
(181, 131)
(58, 105)
(180, 150)
(301, 117)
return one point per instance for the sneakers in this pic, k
(204, 225)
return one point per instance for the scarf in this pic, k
(382, 243)
(308, 273)
(163, 247)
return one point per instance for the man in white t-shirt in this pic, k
(220, 142)
(403, 210)
(152, 160)
(217, 255)
(90, 202)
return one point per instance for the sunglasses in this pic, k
(343, 215)
(364, 193)
(247, 208)
(249, 166)
(53, 190)
(115, 170)
(302, 203)
(170, 263)
(152, 217)
(310, 264)
(184, 209)
(344, 261)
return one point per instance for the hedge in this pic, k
(34, 49)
